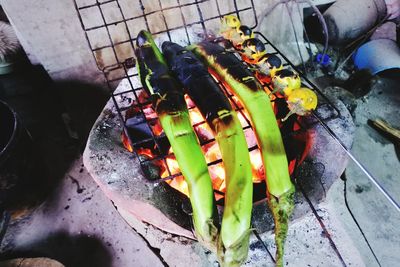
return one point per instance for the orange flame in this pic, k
(211, 151)
(125, 142)
(146, 152)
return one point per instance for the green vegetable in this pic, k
(169, 104)
(233, 242)
(243, 84)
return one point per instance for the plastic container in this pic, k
(378, 55)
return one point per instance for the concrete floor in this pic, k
(64, 215)
(379, 153)
(77, 225)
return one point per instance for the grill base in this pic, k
(160, 214)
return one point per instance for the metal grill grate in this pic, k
(109, 19)
(111, 27)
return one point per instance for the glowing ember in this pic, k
(257, 166)
(125, 142)
(195, 116)
(146, 152)
(172, 165)
(210, 148)
(179, 184)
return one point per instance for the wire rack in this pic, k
(111, 27)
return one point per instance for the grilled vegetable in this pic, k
(285, 81)
(253, 50)
(244, 33)
(267, 67)
(229, 27)
(301, 101)
(242, 83)
(233, 31)
(170, 106)
(269, 64)
(233, 243)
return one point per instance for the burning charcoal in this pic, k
(251, 93)
(203, 133)
(163, 144)
(138, 128)
(141, 134)
(150, 170)
(250, 138)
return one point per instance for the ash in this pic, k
(155, 211)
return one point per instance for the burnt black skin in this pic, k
(199, 84)
(229, 61)
(285, 73)
(165, 91)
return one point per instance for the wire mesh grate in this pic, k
(111, 27)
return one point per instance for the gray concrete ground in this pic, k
(78, 226)
(380, 155)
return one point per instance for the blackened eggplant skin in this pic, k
(194, 75)
(233, 241)
(165, 92)
(241, 82)
(227, 60)
(169, 103)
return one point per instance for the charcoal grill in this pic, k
(119, 70)
(121, 65)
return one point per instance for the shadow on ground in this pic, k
(72, 251)
(41, 105)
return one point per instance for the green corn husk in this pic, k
(233, 242)
(170, 106)
(257, 103)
